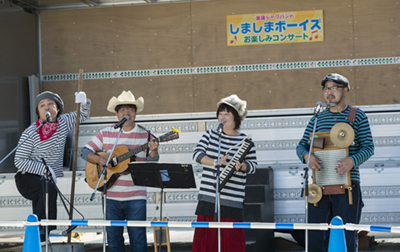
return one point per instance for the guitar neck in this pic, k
(134, 151)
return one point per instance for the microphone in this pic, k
(48, 117)
(318, 107)
(220, 127)
(69, 230)
(118, 125)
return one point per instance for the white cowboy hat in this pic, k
(235, 102)
(126, 97)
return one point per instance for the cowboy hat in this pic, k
(234, 101)
(126, 97)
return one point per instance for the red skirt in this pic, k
(206, 239)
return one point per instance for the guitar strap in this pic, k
(352, 114)
(149, 134)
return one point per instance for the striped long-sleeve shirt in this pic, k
(233, 193)
(364, 145)
(124, 188)
(28, 157)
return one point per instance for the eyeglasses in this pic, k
(333, 88)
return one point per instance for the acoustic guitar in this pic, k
(119, 162)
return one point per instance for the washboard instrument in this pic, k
(329, 147)
(228, 171)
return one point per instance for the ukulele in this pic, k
(119, 161)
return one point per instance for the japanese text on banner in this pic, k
(275, 28)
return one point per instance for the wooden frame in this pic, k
(167, 242)
(328, 146)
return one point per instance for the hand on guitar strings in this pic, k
(102, 161)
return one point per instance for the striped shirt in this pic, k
(360, 152)
(233, 193)
(28, 157)
(124, 188)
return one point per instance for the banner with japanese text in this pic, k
(275, 28)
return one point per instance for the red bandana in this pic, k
(47, 130)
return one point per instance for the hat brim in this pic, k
(227, 103)
(114, 102)
(230, 105)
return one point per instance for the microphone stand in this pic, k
(104, 174)
(38, 127)
(217, 213)
(304, 190)
(48, 175)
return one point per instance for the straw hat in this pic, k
(234, 101)
(126, 97)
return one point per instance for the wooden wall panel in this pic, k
(378, 85)
(266, 90)
(194, 34)
(66, 90)
(161, 95)
(210, 35)
(120, 38)
(376, 28)
(18, 42)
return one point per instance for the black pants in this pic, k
(32, 187)
(335, 205)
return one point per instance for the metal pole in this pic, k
(306, 178)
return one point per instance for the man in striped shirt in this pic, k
(125, 201)
(335, 89)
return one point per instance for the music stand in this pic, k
(162, 175)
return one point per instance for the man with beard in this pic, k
(335, 89)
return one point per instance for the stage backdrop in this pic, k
(185, 62)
